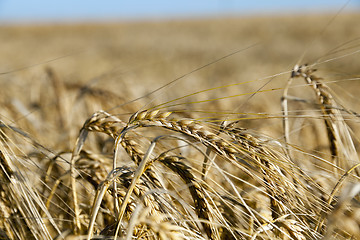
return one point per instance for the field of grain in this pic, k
(228, 128)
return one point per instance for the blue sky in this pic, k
(70, 10)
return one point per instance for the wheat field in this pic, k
(223, 128)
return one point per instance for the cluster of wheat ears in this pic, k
(166, 173)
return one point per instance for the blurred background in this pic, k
(123, 50)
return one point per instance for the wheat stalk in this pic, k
(341, 144)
